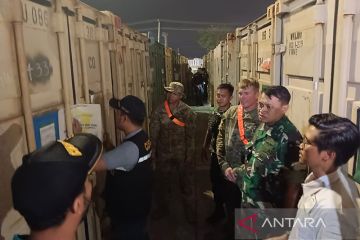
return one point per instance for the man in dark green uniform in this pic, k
(267, 178)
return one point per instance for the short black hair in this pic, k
(228, 87)
(134, 120)
(131, 106)
(279, 92)
(336, 134)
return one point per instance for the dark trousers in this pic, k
(218, 183)
(232, 201)
(233, 197)
(129, 230)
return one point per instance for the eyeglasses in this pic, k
(306, 141)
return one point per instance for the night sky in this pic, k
(230, 12)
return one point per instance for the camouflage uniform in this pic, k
(218, 183)
(213, 126)
(230, 149)
(173, 148)
(272, 151)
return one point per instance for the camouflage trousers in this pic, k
(172, 178)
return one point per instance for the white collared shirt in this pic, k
(328, 200)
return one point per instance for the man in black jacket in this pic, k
(128, 182)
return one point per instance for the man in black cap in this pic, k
(51, 188)
(128, 183)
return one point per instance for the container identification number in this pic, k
(296, 42)
(39, 69)
(35, 15)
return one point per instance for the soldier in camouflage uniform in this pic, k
(267, 178)
(230, 147)
(172, 129)
(223, 97)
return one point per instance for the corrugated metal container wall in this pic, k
(230, 60)
(262, 50)
(141, 60)
(129, 61)
(116, 64)
(211, 71)
(183, 69)
(311, 47)
(168, 65)
(217, 66)
(157, 66)
(67, 53)
(244, 41)
(13, 117)
(36, 36)
(127, 54)
(301, 68)
(345, 98)
(175, 58)
(89, 39)
(186, 78)
(321, 78)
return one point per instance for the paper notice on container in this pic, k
(89, 118)
(47, 134)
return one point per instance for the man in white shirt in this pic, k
(329, 196)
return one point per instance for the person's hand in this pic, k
(230, 175)
(76, 125)
(204, 155)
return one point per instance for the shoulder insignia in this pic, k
(147, 145)
(71, 149)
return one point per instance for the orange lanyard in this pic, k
(241, 125)
(171, 116)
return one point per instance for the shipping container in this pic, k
(157, 69)
(55, 56)
(309, 46)
(169, 65)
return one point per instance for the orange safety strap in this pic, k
(171, 116)
(241, 125)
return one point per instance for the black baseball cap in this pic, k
(50, 178)
(131, 105)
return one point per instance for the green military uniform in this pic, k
(230, 149)
(218, 183)
(272, 151)
(173, 149)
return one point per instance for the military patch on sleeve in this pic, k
(147, 145)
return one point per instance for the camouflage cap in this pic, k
(175, 87)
